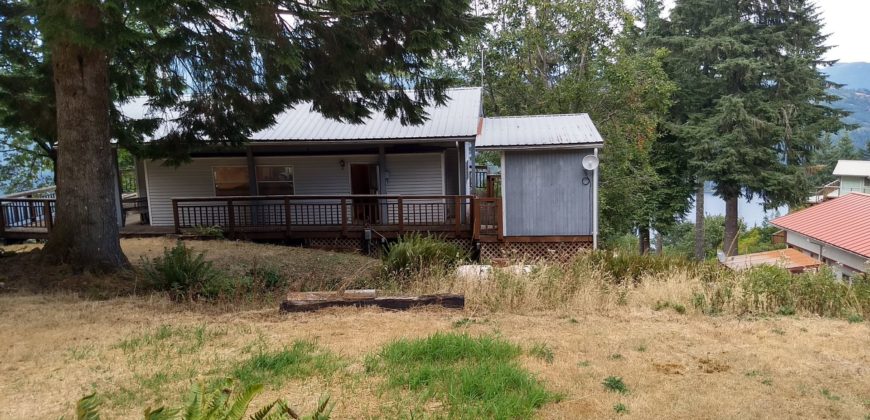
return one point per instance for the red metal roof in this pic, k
(843, 222)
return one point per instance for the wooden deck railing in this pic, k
(487, 215)
(26, 214)
(345, 213)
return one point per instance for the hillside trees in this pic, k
(753, 99)
(225, 67)
(574, 56)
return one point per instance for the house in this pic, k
(852, 176)
(333, 184)
(836, 232)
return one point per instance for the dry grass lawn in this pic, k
(57, 347)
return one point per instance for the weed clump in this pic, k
(415, 253)
(615, 384)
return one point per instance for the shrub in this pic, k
(415, 253)
(184, 273)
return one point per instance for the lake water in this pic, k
(751, 211)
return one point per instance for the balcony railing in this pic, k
(344, 214)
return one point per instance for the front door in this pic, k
(364, 181)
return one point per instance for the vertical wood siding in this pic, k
(544, 193)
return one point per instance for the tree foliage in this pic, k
(544, 57)
(752, 102)
(213, 70)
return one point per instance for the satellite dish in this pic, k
(590, 162)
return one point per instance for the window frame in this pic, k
(292, 182)
(214, 181)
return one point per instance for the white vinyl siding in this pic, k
(410, 174)
(417, 174)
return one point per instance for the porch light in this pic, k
(342, 163)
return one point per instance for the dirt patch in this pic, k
(669, 368)
(712, 366)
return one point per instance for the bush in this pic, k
(625, 267)
(415, 253)
(185, 274)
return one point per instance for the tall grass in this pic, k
(605, 282)
(417, 253)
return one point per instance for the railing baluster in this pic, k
(287, 215)
(49, 223)
(231, 216)
(401, 215)
(175, 216)
(2, 218)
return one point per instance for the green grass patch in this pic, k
(474, 377)
(302, 359)
(170, 339)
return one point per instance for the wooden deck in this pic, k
(289, 217)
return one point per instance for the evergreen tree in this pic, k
(226, 67)
(568, 56)
(754, 98)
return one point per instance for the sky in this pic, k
(847, 23)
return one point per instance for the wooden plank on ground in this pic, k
(312, 301)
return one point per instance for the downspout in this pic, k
(595, 203)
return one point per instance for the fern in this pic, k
(218, 404)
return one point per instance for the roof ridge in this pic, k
(535, 115)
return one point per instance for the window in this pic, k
(275, 180)
(230, 180)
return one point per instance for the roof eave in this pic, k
(579, 146)
(821, 241)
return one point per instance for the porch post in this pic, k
(382, 184)
(252, 172)
(119, 207)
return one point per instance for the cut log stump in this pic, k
(312, 301)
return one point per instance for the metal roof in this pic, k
(852, 168)
(456, 118)
(538, 131)
(843, 222)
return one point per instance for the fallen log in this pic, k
(312, 301)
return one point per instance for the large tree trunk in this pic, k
(731, 226)
(85, 233)
(644, 240)
(700, 251)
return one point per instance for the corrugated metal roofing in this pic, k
(457, 118)
(789, 258)
(538, 131)
(852, 168)
(843, 222)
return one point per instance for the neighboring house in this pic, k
(852, 176)
(836, 232)
(335, 184)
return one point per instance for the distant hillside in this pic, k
(853, 75)
(855, 97)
